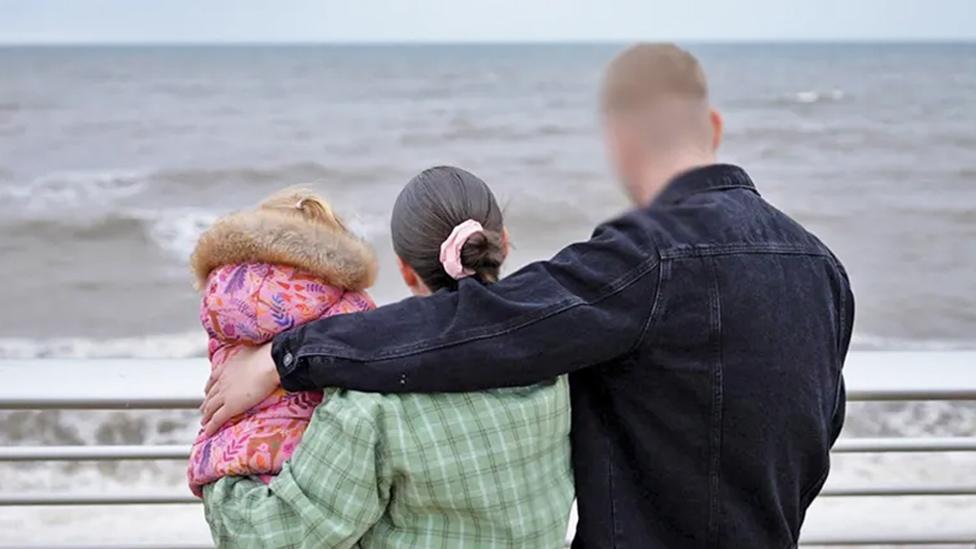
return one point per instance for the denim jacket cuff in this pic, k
(291, 371)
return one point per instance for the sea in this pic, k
(113, 159)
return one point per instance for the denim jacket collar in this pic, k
(707, 178)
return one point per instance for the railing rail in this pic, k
(180, 452)
(887, 445)
(187, 499)
(967, 537)
(94, 453)
(175, 384)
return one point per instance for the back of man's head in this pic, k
(656, 107)
(646, 75)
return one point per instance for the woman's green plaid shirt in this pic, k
(465, 470)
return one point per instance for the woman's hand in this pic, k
(240, 383)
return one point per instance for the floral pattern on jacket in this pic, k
(245, 305)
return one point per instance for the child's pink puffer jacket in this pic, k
(263, 272)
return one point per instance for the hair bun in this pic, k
(432, 224)
(484, 253)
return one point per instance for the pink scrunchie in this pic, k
(451, 249)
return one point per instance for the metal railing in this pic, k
(175, 384)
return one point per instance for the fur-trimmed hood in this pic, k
(277, 236)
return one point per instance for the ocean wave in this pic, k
(31, 104)
(802, 97)
(96, 227)
(173, 230)
(184, 345)
(282, 175)
(818, 96)
(176, 230)
(70, 190)
(366, 226)
(81, 189)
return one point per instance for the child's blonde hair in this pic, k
(305, 202)
(294, 226)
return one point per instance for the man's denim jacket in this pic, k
(704, 335)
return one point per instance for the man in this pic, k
(704, 331)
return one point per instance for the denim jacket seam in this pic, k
(842, 317)
(728, 184)
(613, 288)
(651, 315)
(734, 249)
(615, 526)
(715, 432)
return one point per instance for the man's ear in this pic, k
(715, 118)
(505, 241)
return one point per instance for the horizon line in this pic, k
(541, 42)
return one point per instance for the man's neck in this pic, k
(659, 172)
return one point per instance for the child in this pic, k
(263, 271)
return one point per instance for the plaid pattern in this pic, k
(466, 470)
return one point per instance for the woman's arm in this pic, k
(328, 495)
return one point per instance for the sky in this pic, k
(195, 21)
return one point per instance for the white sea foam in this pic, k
(365, 226)
(817, 96)
(83, 199)
(176, 230)
(75, 189)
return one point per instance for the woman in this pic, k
(488, 469)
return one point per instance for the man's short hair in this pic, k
(644, 74)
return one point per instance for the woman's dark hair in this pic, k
(428, 209)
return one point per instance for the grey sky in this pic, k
(33, 21)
